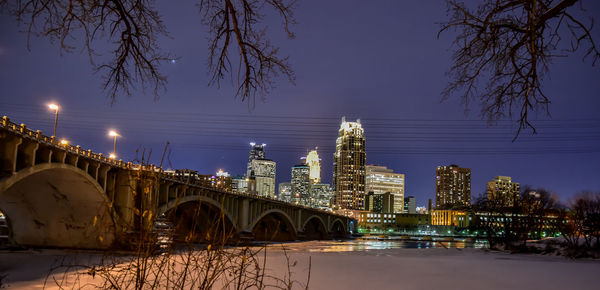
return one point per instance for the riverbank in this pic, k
(344, 265)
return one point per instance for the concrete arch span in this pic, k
(57, 205)
(338, 229)
(200, 219)
(314, 228)
(273, 225)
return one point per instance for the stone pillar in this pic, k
(244, 214)
(124, 199)
(8, 153)
(26, 154)
(43, 155)
(102, 175)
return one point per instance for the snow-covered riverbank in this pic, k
(337, 266)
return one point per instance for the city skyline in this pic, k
(395, 92)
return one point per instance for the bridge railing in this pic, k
(21, 129)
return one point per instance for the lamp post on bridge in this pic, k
(54, 107)
(114, 134)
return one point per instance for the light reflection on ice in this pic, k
(362, 245)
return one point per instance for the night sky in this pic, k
(380, 61)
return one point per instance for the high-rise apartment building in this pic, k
(502, 192)
(257, 151)
(452, 186)
(263, 173)
(349, 166)
(314, 163)
(380, 179)
(301, 184)
(379, 203)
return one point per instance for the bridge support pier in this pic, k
(8, 153)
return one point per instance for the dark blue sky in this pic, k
(380, 61)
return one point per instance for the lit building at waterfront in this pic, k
(452, 187)
(301, 184)
(379, 203)
(502, 192)
(380, 179)
(349, 162)
(263, 177)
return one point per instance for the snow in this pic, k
(348, 265)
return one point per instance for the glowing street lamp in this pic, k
(112, 156)
(113, 133)
(55, 108)
(64, 142)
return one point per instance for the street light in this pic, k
(55, 108)
(113, 133)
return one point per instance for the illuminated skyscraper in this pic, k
(380, 180)
(301, 184)
(263, 172)
(452, 186)
(349, 166)
(501, 191)
(257, 151)
(313, 161)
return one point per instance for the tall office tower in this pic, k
(285, 191)
(349, 166)
(301, 184)
(452, 186)
(410, 204)
(313, 161)
(380, 180)
(257, 151)
(263, 173)
(320, 195)
(502, 192)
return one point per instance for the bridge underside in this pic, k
(56, 205)
(201, 222)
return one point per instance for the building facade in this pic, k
(321, 195)
(314, 163)
(502, 192)
(380, 179)
(452, 187)
(285, 191)
(410, 205)
(257, 151)
(263, 174)
(301, 184)
(349, 162)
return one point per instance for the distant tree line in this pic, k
(536, 214)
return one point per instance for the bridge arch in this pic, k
(200, 218)
(338, 229)
(274, 225)
(72, 211)
(314, 228)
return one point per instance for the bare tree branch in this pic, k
(503, 49)
(235, 22)
(131, 25)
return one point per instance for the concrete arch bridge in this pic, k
(59, 195)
